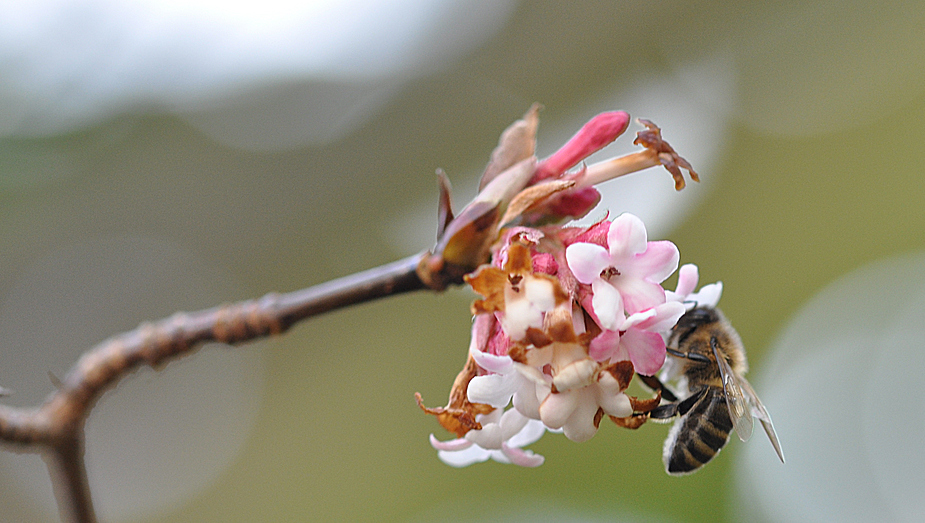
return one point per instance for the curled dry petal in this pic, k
(651, 138)
(459, 415)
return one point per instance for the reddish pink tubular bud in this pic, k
(597, 133)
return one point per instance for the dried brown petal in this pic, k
(630, 422)
(643, 406)
(651, 138)
(598, 416)
(445, 203)
(622, 371)
(459, 414)
(529, 198)
(517, 143)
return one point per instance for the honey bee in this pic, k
(712, 361)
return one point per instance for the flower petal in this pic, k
(688, 276)
(532, 431)
(580, 425)
(658, 262)
(557, 407)
(608, 304)
(493, 389)
(646, 350)
(464, 458)
(626, 237)
(587, 261)
(657, 319)
(520, 457)
(488, 437)
(707, 296)
(638, 295)
(604, 346)
(492, 363)
(452, 445)
(616, 404)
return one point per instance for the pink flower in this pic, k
(625, 276)
(641, 341)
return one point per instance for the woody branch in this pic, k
(56, 427)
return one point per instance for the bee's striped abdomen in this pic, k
(699, 435)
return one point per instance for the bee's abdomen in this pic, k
(698, 436)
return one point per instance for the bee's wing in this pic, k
(739, 410)
(761, 413)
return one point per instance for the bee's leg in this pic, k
(655, 384)
(670, 410)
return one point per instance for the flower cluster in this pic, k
(569, 314)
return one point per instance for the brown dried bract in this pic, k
(459, 414)
(641, 409)
(517, 142)
(630, 422)
(651, 138)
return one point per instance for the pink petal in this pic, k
(520, 457)
(587, 261)
(657, 319)
(626, 237)
(604, 346)
(646, 350)
(452, 445)
(638, 295)
(657, 263)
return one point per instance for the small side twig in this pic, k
(56, 427)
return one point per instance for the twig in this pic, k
(56, 427)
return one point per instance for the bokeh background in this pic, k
(158, 156)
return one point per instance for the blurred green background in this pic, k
(804, 120)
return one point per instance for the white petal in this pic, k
(539, 292)
(616, 404)
(518, 316)
(493, 389)
(511, 423)
(708, 295)
(532, 431)
(576, 375)
(608, 305)
(464, 458)
(493, 363)
(688, 275)
(580, 425)
(557, 407)
(525, 400)
(489, 437)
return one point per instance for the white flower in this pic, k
(707, 296)
(502, 435)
